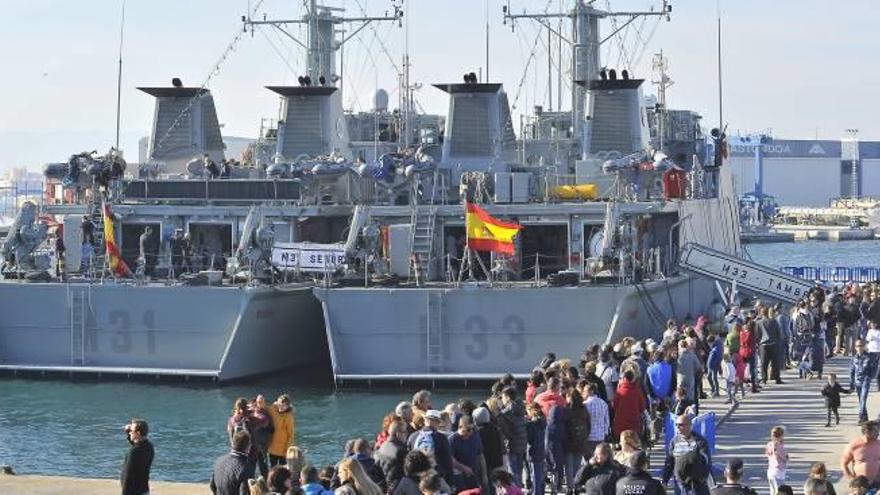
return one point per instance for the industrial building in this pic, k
(806, 172)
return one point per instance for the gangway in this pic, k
(749, 275)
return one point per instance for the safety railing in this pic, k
(834, 274)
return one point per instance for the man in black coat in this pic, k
(599, 476)
(135, 476)
(232, 471)
(769, 335)
(491, 438)
(392, 453)
(637, 480)
(363, 453)
(512, 423)
(847, 318)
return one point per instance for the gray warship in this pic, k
(232, 314)
(604, 216)
(203, 324)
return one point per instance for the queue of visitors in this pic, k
(579, 426)
(588, 425)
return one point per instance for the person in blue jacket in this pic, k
(556, 434)
(713, 363)
(660, 377)
(536, 433)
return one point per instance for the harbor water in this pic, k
(75, 428)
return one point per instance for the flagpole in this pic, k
(464, 255)
(485, 271)
(467, 245)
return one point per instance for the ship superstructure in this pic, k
(603, 214)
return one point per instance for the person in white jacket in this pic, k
(728, 371)
(872, 341)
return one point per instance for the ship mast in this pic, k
(663, 82)
(322, 43)
(119, 77)
(403, 137)
(584, 43)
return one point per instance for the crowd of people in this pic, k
(587, 425)
(840, 321)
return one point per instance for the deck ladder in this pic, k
(435, 331)
(422, 242)
(77, 328)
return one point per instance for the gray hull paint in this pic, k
(222, 333)
(381, 333)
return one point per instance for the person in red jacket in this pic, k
(747, 352)
(553, 396)
(674, 183)
(536, 381)
(629, 404)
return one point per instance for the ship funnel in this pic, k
(616, 124)
(312, 122)
(184, 126)
(478, 125)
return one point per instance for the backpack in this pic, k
(425, 442)
(746, 344)
(577, 426)
(660, 379)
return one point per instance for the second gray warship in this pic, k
(603, 215)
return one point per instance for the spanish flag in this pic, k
(114, 259)
(486, 233)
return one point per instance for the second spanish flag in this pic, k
(487, 233)
(114, 259)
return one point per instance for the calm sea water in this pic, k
(75, 428)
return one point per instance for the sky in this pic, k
(801, 68)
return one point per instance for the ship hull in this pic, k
(219, 333)
(481, 332)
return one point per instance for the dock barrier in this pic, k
(834, 274)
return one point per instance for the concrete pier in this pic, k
(55, 485)
(798, 406)
(824, 233)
